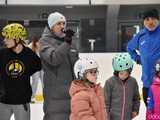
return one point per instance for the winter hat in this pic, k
(151, 13)
(55, 17)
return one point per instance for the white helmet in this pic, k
(82, 65)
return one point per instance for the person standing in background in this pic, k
(144, 48)
(58, 56)
(34, 45)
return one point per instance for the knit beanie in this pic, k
(151, 13)
(55, 17)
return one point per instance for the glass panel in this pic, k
(93, 35)
(3, 23)
(127, 31)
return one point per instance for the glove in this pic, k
(138, 60)
(69, 34)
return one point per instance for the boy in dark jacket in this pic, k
(18, 63)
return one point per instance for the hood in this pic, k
(47, 33)
(76, 86)
(156, 81)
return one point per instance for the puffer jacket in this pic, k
(121, 98)
(154, 96)
(153, 106)
(58, 58)
(87, 103)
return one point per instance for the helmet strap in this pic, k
(18, 47)
(16, 43)
(14, 47)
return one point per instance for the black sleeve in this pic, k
(2, 90)
(35, 64)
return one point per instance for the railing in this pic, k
(77, 2)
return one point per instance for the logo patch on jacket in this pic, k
(15, 68)
(142, 42)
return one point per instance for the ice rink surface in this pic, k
(105, 71)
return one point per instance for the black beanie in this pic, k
(151, 13)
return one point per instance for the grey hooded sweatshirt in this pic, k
(122, 98)
(58, 58)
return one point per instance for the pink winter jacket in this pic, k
(87, 103)
(153, 108)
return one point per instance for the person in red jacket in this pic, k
(87, 98)
(153, 108)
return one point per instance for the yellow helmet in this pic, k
(14, 31)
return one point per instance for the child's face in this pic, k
(91, 75)
(9, 43)
(123, 75)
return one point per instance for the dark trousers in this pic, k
(145, 94)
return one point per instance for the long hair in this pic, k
(34, 46)
(117, 72)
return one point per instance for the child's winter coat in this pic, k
(87, 103)
(121, 98)
(153, 108)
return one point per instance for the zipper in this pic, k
(124, 101)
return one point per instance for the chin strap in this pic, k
(16, 44)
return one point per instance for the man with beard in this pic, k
(58, 56)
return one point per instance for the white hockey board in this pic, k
(105, 66)
(105, 71)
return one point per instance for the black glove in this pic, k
(138, 60)
(69, 34)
